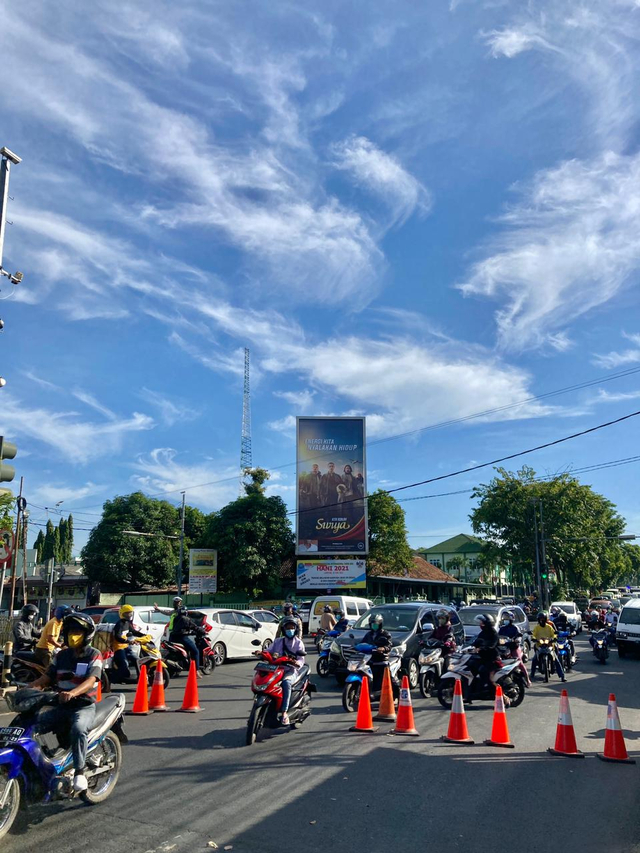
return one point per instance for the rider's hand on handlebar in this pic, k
(65, 696)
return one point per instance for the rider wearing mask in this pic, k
(291, 646)
(49, 642)
(182, 632)
(75, 673)
(327, 620)
(545, 630)
(510, 631)
(486, 643)
(444, 632)
(378, 637)
(25, 632)
(171, 612)
(123, 638)
(289, 613)
(343, 623)
(559, 618)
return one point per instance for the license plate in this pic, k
(11, 733)
(267, 667)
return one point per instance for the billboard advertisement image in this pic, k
(331, 485)
(203, 570)
(331, 574)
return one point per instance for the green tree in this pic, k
(631, 575)
(580, 528)
(62, 537)
(49, 546)
(389, 551)
(114, 557)
(39, 546)
(69, 554)
(253, 537)
(6, 505)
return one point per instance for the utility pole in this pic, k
(535, 529)
(25, 531)
(20, 507)
(8, 157)
(246, 460)
(179, 572)
(545, 571)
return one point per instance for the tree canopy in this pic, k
(389, 551)
(6, 506)
(580, 528)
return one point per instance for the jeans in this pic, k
(287, 687)
(121, 662)
(77, 723)
(534, 666)
(190, 645)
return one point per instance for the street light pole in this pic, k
(5, 170)
(535, 529)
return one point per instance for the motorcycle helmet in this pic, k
(376, 621)
(554, 611)
(29, 611)
(442, 616)
(485, 619)
(78, 622)
(125, 611)
(339, 614)
(177, 601)
(508, 616)
(288, 609)
(542, 618)
(62, 611)
(327, 608)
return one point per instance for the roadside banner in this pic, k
(316, 574)
(203, 570)
(331, 515)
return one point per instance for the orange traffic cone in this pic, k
(99, 692)
(565, 735)
(156, 703)
(404, 724)
(614, 748)
(387, 708)
(364, 721)
(500, 729)
(190, 702)
(141, 701)
(457, 731)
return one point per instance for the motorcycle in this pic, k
(177, 658)
(142, 651)
(358, 658)
(37, 768)
(512, 648)
(25, 669)
(432, 660)
(323, 665)
(267, 689)
(462, 667)
(564, 651)
(600, 645)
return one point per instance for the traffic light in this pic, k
(7, 451)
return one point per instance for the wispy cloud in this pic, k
(91, 401)
(302, 400)
(171, 411)
(219, 362)
(614, 358)
(163, 469)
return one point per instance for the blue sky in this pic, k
(414, 211)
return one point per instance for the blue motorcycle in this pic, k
(324, 666)
(564, 650)
(38, 767)
(358, 658)
(600, 645)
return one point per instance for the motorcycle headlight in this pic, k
(353, 665)
(335, 647)
(427, 658)
(401, 649)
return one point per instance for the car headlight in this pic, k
(335, 647)
(401, 649)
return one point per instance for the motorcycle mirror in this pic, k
(427, 627)
(256, 643)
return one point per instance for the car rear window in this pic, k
(352, 610)
(227, 618)
(395, 618)
(468, 614)
(110, 617)
(319, 606)
(630, 616)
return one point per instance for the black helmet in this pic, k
(288, 607)
(29, 610)
(339, 613)
(288, 620)
(327, 608)
(542, 617)
(376, 621)
(486, 619)
(78, 622)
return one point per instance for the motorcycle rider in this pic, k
(171, 612)
(289, 613)
(380, 639)
(291, 646)
(545, 630)
(561, 622)
(444, 633)
(327, 620)
(486, 647)
(75, 673)
(510, 631)
(183, 631)
(25, 632)
(49, 641)
(123, 638)
(343, 623)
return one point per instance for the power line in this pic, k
(441, 424)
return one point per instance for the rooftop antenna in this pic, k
(245, 442)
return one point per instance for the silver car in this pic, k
(574, 617)
(472, 628)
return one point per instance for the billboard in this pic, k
(330, 574)
(331, 484)
(203, 570)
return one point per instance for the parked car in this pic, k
(145, 619)
(304, 611)
(628, 629)
(268, 617)
(97, 611)
(237, 633)
(404, 622)
(574, 617)
(472, 628)
(352, 606)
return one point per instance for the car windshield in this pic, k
(630, 616)
(111, 616)
(568, 608)
(468, 614)
(395, 618)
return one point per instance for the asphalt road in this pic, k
(189, 783)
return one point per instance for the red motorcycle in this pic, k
(177, 658)
(267, 689)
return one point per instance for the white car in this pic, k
(145, 619)
(574, 617)
(239, 633)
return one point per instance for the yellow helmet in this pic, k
(125, 610)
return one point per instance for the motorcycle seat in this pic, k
(303, 672)
(105, 707)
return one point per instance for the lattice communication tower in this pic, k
(245, 443)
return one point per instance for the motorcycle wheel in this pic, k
(322, 667)
(208, 665)
(526, 651)
(101, 786)
(23, 674)
(545, 667)
(11, 807)
(351, 697)
(426, 684)
(445, 693)
(104, 681)
(151, 671)
(254, 724)
(517, 688)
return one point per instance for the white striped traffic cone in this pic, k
(614, 748)
(565, 735)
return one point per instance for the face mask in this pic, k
(75, 639)
(290, 632)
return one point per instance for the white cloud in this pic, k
(617, 359)
(93, 403)
(622, 397)
(171, 411)
(301, 400)
(219, 362)
(48, 494)
(76, 440)
(571, 244)
(381, 174)
(511, 41)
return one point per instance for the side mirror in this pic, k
(427, 627)
(255, 626)
(256, 643)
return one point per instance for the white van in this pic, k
(628, 629)
(352, 607)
